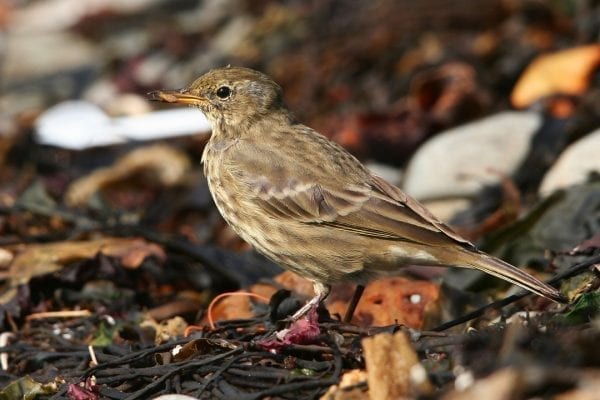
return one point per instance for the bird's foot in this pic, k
(304, 323)
(303, 330)
(310, 306)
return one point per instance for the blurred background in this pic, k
(379, 77)
(480, 109)
(487, 111)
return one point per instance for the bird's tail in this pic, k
(503, 270)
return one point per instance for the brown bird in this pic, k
(307, 203)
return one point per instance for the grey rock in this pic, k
(459, 162)
(574, 164)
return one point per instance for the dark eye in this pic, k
(223, 92)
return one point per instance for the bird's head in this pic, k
(229, 95)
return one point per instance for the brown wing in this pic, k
(365, 210)
(311, 203)
(350, 199)
(417, 210)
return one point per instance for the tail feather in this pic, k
(503, 270)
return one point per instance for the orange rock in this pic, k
(389, 301)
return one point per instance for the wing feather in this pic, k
(367, 211)
(357, 202)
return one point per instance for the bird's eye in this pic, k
(223, 92)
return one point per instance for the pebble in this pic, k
(459, 162)
(174, 397)
(574, 164)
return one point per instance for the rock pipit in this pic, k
(307, 203)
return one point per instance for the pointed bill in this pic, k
(176, 96)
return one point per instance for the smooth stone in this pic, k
(461, 161)
(574, 164)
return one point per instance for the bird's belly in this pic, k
(312, 252)
(308, 250)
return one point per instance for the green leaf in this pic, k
(104, 335)
(586, 308)
(27, 389)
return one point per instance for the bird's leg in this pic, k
(304, 325)
(358, 292)
(321, 292)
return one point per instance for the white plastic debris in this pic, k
(79, 125)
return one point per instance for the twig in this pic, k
(93, 355)
(358, 292)
(4, 338)
(574, 270)
(143, 393)
(59, 314)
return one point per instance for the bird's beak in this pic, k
(176, 96)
